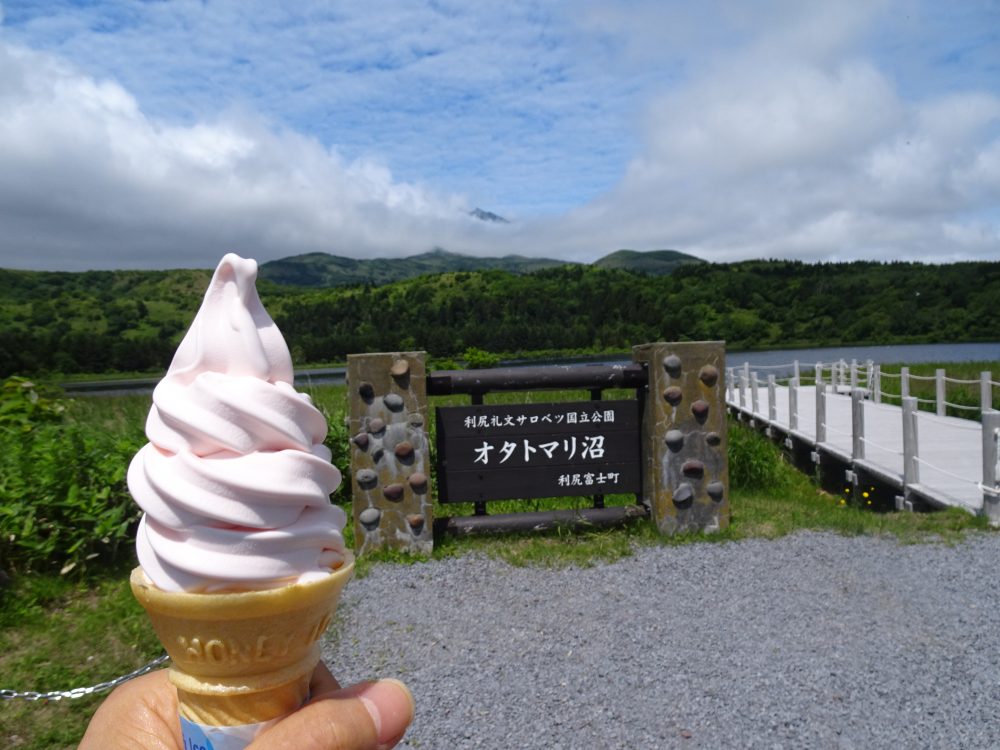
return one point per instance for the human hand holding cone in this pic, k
(242, 560)
(246, 657)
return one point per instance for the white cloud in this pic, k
(793, 151)
(724, 129)
(87, 175)
(745, 121)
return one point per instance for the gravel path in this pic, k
(811, 641)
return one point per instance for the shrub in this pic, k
(24, 404)
(338, 441)
(63, 499)
(478, 359)
(754, 462)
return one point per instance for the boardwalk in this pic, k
(940, 462)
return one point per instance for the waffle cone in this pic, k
(243, 657)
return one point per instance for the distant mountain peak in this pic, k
(324, 270)
(478, 213)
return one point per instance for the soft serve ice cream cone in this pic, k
(241, 557)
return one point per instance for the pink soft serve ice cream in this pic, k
(235, 480)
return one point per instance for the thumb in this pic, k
(367, 716)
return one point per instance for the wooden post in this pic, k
(911, 469)
(876, 384)
(857, 424)
(854, 374)
(793, 404)
(390, 456)
(730, 386)
(991, 466)
(904, 382)
(743, 389)
(685, 477)
(795, 370)
(755, 409)
(939, 391)
(985, 391)
(820, 414)
(772, 407)
(842, 375)
(819, 373)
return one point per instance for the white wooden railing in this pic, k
(864, 382)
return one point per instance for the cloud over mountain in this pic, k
(166, 134)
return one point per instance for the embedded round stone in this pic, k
(713, 439)
(403, 449)
(672, 364)
(370, 517)
(376, 425)
(418, 480)
(416, 522)
(416, 419)
(367, 391)
(393, 402)
(361, 440)
(366, 477)
(399, 368)
(673, 395)
(393, 491)
(709, 375)
(683, 495)
(700, 410)
(674, 440)
(693, 469)
(715, 490)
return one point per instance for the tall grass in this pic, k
(64, 505)
(966, 394)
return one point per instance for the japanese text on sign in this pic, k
(589, 446)
(588, 479)
(596, 416)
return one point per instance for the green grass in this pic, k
(57, 633)
(923, 386)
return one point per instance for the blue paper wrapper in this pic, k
(202, 737)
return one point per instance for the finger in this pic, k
(142, 713)
(368, 716)
(322, 681)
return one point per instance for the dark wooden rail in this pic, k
(447, 382)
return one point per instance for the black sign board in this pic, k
(538, 450)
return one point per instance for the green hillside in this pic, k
(652, 262)
(325, 270)
(132, 320)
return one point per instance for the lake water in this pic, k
(895, 353)
(890, 354)
(909, 354)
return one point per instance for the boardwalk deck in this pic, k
(950, 458)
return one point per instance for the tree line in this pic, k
(132, 321)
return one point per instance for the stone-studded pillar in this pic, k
(685, 466)
(390, 455)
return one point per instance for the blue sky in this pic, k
(164, 134)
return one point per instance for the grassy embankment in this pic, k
(58, 632)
